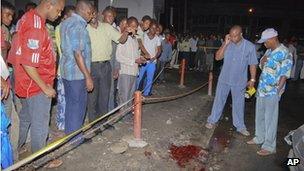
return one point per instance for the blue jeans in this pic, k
(149, 68)
(35, 114)
(238, 104)
(266, 122)
(76, 103)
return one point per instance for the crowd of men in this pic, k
(98, 64)
(87, 62)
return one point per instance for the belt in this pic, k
(101, 62)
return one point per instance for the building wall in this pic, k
(20, 4)
(136, 8)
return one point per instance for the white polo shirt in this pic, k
(151, 44)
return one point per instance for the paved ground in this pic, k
(178, 140)
(173, 130)
(230, 151)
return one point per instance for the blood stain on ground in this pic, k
(184, 154)
(147, 153)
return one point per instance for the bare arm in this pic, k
(143, 49)
(219, 55)
(281, 84)
(123, 37)
(252, 69)
(282, 81)
(33, 73)
(4, 89)
(158, 52)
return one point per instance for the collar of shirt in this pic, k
(95, 28)
(239, 44)
(269, 51)
(83, 21)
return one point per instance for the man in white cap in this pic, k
(276, 67)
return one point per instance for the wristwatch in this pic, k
(252, 80)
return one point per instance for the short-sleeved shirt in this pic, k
(184, 46)
(32, 46)
(279, 64)
(140, 33)
(193, 44)
(151, 44)
(101, 41)
(166, 51)
(237, 57)
(74, 37)
(4, 70)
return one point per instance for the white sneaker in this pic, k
(244, 132)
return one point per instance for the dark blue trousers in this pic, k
(76, 103)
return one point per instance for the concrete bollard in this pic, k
(137, 114)
(210, 80)
(137, 141)
(182, 77)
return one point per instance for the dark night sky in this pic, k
(286, 15)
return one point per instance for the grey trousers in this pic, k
(126, 87)
(266, 121)
(98, 99)
(160, 66)
(34, 115)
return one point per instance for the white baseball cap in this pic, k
(268, 34)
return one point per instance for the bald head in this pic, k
(51, 9)
(235, 34)
(85, 9)
(236, 28)
(83, 4)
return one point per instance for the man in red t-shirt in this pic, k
(33, 58)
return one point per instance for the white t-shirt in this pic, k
(151, 44)
(193, 45)
(4, 70)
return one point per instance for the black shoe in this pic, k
(109, 127)
(87, 141)
(98, 132)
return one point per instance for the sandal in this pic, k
(54, 164)
(209, 125)
(264, 152)
(251, 142)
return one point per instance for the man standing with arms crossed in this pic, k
(276, 68)
(237, 53)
